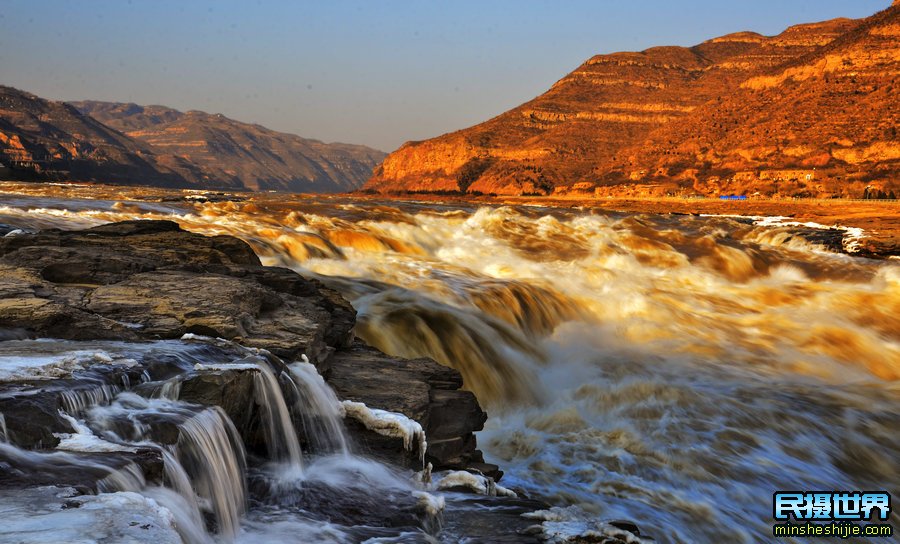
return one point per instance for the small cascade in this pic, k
(128, 478)
(281, 436)
(211, 452)
(169, 389)
(77, 402)
(118, 430)
(207, 463)
(319, 409)
(177, 478)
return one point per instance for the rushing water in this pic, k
(673, 370)
(212, 489)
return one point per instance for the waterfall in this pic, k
(77, 402)
(178, 480)
(207, 461)
(128, 478)
(319, 409)
(211, 451)
(206, 482)
(169, 389)
(281, 436)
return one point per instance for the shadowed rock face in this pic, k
(431, 397)
(738, 113)
(43, 139)
(158, 146)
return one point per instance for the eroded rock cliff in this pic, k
(811, 111)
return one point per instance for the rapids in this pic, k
(673, 370)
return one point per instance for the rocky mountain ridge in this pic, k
(809, 112)
(240, 153)
(158, 146)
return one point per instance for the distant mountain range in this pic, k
(159, 146)
(813, 111)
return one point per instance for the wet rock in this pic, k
(32, 417)
(420, 389)
(232, 390)
(150, 279)
(138, 281)
(84, 471)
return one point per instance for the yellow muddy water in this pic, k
(672, 370)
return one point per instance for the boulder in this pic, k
(150, 279)
(420, 389)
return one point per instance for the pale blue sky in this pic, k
(371, 72)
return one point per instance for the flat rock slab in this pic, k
(142, 280)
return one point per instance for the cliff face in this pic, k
(159, 146)
(730, 114)
(238, 153)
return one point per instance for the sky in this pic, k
(377, 72)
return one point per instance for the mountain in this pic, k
(159, 146)
(811, 111)
(233, 152)
(44, 139)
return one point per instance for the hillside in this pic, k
(159, 146)
(43, 139)
(240, 153)
(742, 113)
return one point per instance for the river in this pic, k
(669, 369)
